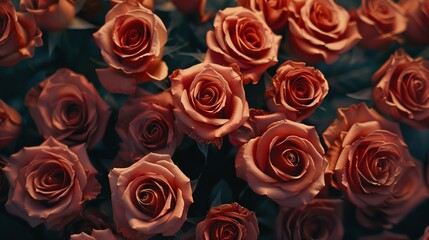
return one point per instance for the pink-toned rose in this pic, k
(320, 219)
(196, 7)
(50, 183)
(68, 107)
(228, 221)
(51, 15)
(380, 22)
(417, 12)
(241, 36)
(104, 234)
(146, 124)
(402, 89)
(209, 101)
(386, 236)
(285, 163)
(146, 3)
(296, 90)
(19, 35)
(132, 42)
(255, 126)
(151, 196)
(321, 30)
(10, 124)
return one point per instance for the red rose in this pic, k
(10, 124)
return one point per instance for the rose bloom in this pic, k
(296, 90)
(254, 126)
(241, 36)
(285, 163)
(104, 234)
(54, 15)
(132, 42)
(151, 196)
(228, 221)
(402, 89)
(146, 3)
(68, 107)
(19, 35)
(146, 124)
(50, 183)
(196, 7)
(10, 124)
(417, 12)
(209, 101)
(380, 22)
(320, 219)
(321, 30)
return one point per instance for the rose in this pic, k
(54, 15)
(320, 219)
(151, 196)
(296, 90)
(402, 89)
(285, 163)
(19, 35)
(50, 183)
(228, 221)
(380, 22)
(146, 3)
(241, 36)
(104, 234)
(146, 124)
(192, 7)
(254, 126)
(68, 107)
(417, 12)
(90, 219)
(10, 124)
(209, 101)
(321, 30)
(132, 42)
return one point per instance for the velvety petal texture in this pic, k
(50, 183)
(417, 12)
(151, 196)
(10, 124)
(69, 108)
(285, 163)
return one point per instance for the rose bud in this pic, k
(321, 30)
(386, 236)
(50, 15)
(320, 219)
(417, 12)
(209, 101)
(228, 221)
(132, 42)
(380, 22)
(146, 124)
(195, 7)
(146, 3)
(104, 234)
(242, 37)
(10, 124)
(68, 107)
(402, 89)
(50, 183)
(151, 196)
(285, 163)
(296, 90)
(19, 35)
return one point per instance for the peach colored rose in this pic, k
(321, 30)
(146, 124)
(68, 107)
(347, 117)
(296, 90)
(50, 183)
(151, 196)
(402, 89)
(241, 36)
(228, 221)
(132, 42)
(146, 3)
(209, 101)
(386, 236)
(285, 163)
(380, 22)
(104, 234)
(320, 219)
(196, 7)
(10, 124)
(255, 126)
(19, 35)
(51, 15)
(417, 12)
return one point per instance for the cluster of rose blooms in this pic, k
(366, 157)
